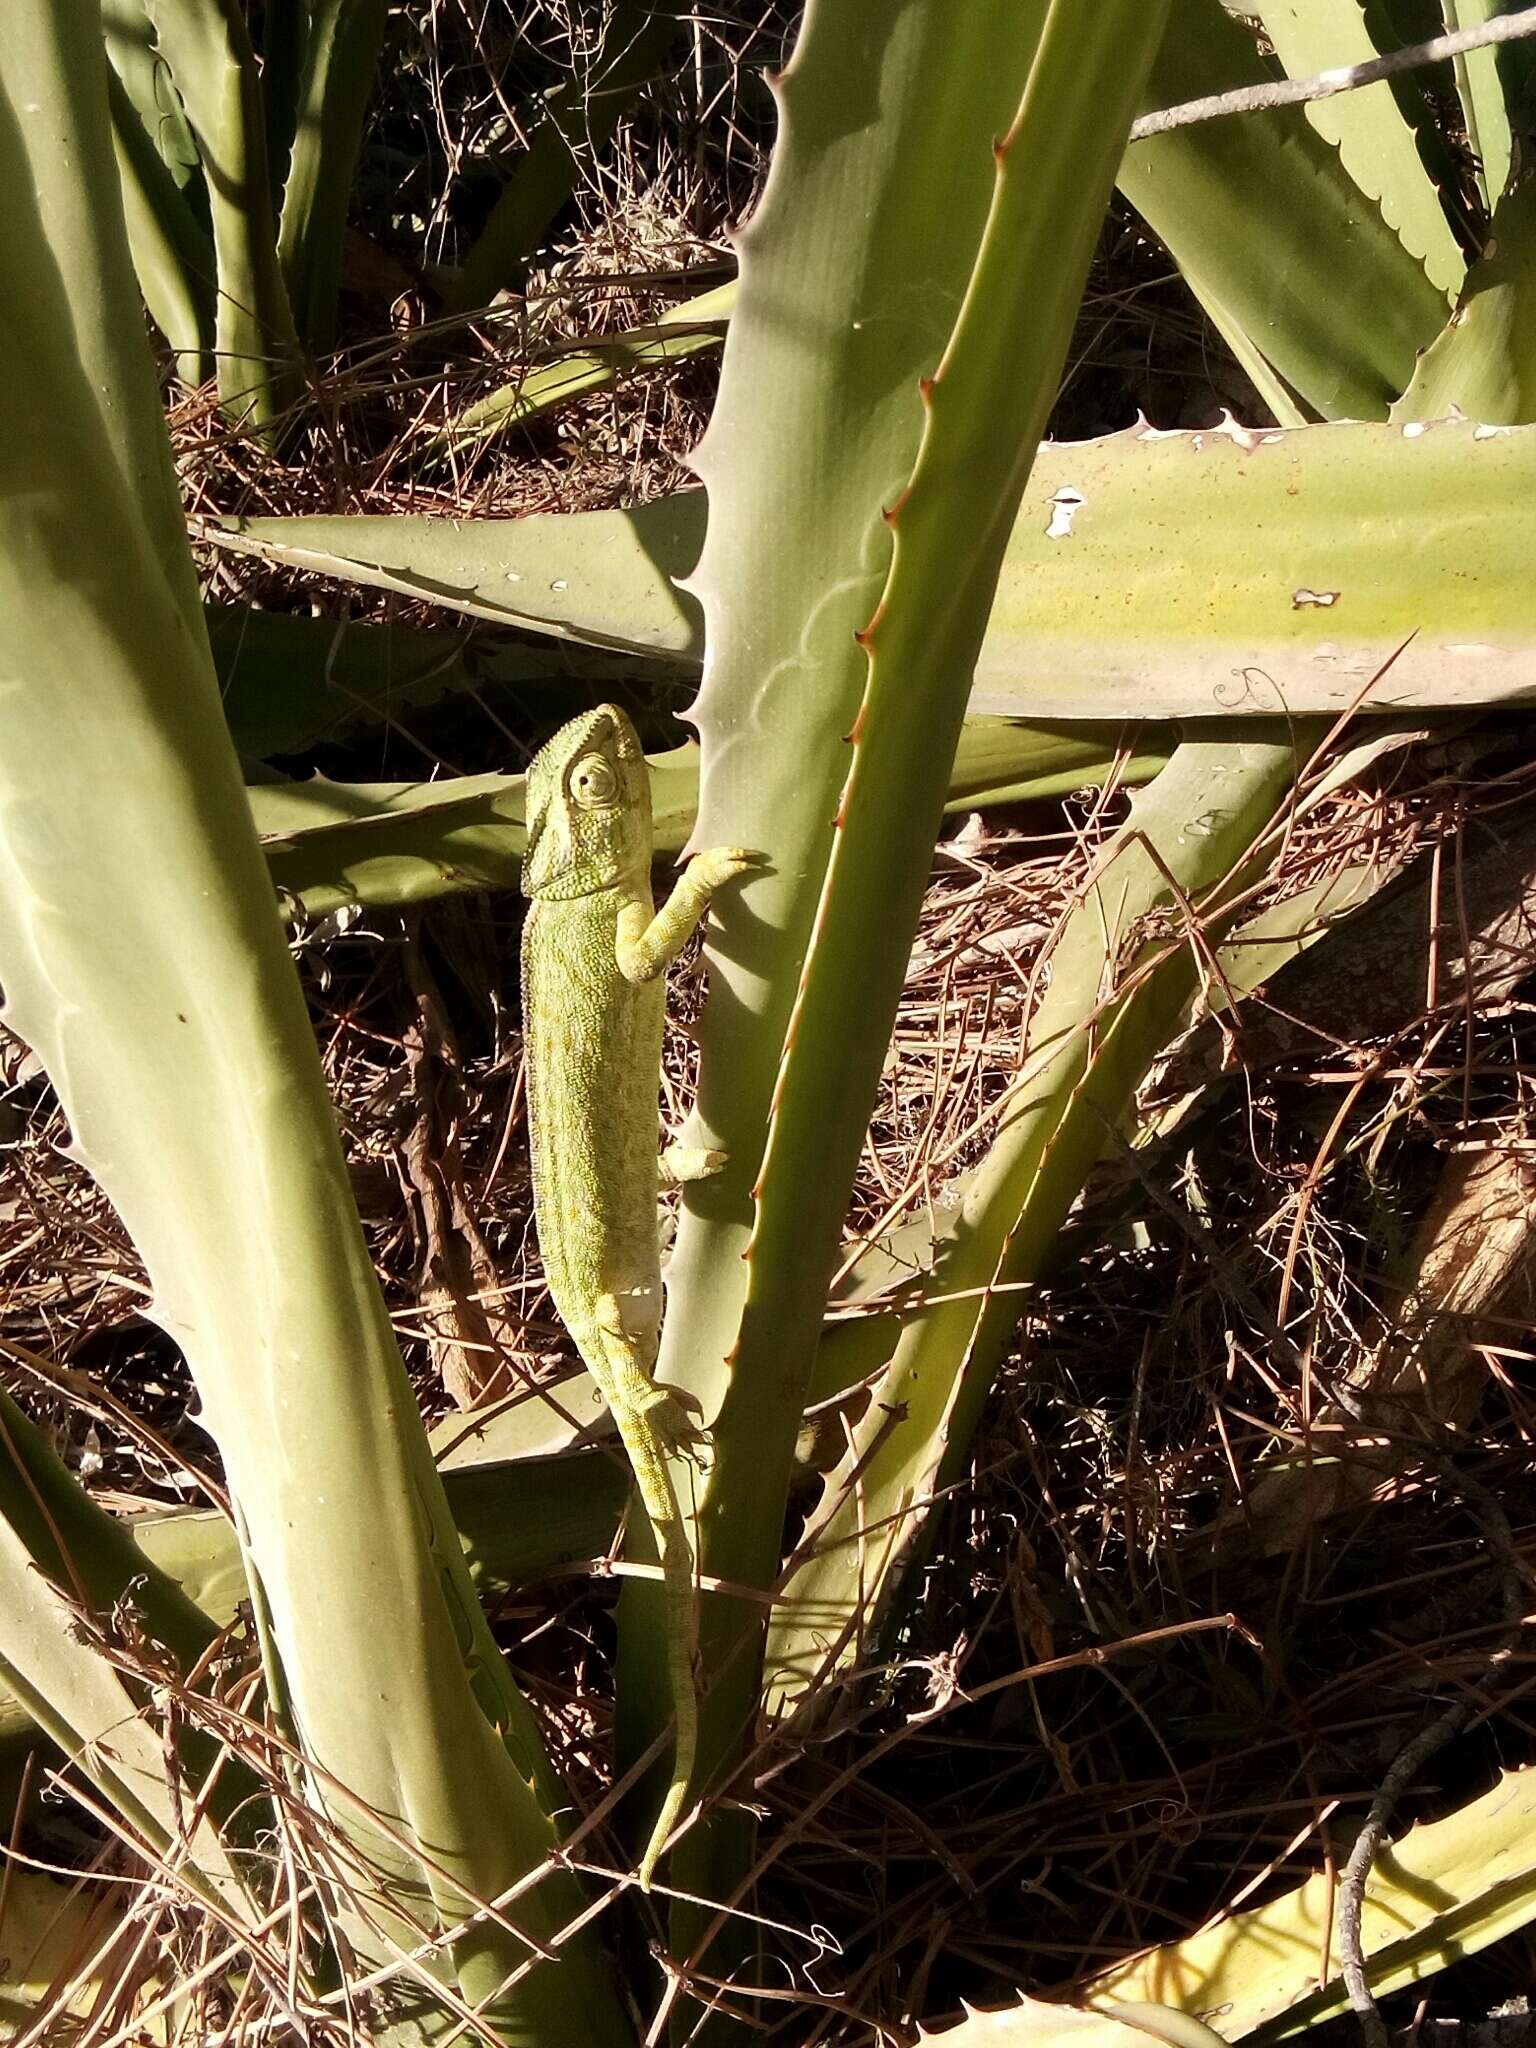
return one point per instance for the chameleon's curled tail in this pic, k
(682, 1637)
(666, 1821)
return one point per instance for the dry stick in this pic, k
(1324, 85)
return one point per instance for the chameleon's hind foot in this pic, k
(683, 1163)
(672, 1416)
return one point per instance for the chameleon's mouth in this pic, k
(548, 856)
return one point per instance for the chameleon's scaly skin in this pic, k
(595, 954)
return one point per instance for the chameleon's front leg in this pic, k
(654, 1424)
(650, 940)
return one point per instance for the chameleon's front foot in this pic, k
(717, 865)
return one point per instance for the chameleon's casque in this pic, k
(588, 808)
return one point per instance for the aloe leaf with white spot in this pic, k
(1148, 575)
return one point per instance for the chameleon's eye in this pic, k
(593, 782)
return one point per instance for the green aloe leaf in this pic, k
(340, 57)
(1493, 83)
(1484, 364)
(207, 49)
(688, 329)
(1119, 983)
(146, 80)
(1160, 575)
(172, 250)
(600, 577)
(1375, 144)
(1298, 268)
(65, 154)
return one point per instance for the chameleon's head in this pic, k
(588, 807)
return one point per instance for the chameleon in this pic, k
(594, 958)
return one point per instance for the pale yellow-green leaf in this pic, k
(1446, 1890)
(55, 1939)
(587, 367)
(1035, 2023)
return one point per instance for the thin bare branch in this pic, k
(1325, 85)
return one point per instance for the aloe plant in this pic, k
(869, 491)
(241, 1209)
(237, 160)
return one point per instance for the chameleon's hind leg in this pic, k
(629, 1334)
